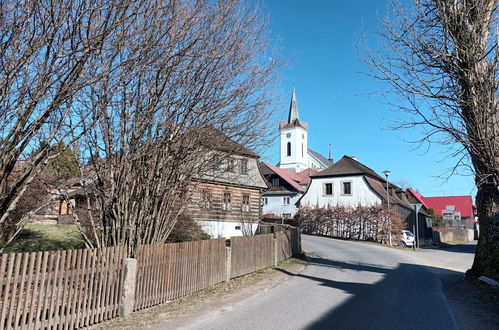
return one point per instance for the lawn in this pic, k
(36, 237)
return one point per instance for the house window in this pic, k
(244, 166)
(346, 187)
(288, 153)
(328, 189)
(226, 202)
(238, 227)
(205, 202)
(275, 182)
(246, 203)
(230, 165)
(285, 201)
(265, 201)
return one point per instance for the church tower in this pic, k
(293, 140)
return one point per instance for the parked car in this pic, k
(407, 238)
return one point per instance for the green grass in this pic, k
(36, 237)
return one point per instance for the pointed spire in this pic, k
(293, 109)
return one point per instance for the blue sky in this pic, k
(336, 100)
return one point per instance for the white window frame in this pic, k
(324, 188)
(288, 199)
(343, 188)
(226, 205)
(246, 207)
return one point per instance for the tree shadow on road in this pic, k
(408, 297)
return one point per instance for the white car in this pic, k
(407, 238)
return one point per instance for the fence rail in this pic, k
(65, 289)
(77, 288)
(169, 271)
(251, 253)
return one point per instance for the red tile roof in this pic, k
(463, 204)
(305, 175)
(294, 179)
(418, 196)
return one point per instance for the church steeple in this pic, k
(293, 109)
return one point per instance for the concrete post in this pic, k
(228, 260)
(274, 243)
(129, 283)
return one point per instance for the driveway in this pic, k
(347, 285)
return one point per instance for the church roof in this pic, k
(293, 109)
(320, 158)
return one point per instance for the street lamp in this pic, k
(387, 173)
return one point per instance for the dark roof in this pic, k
(321, 158)
(347, 166)
(214, 139)
(380, 189)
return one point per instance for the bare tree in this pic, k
(441, 58)
(192, 70)
(49, 54)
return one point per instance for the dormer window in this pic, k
(275, 182)
(230, 165)
(244, 166)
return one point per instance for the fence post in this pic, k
(228, 260)
(275, 246)
(129, 283)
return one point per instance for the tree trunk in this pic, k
(487, 252)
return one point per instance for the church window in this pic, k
(289, 149)
(226, 202)
(288, 135)
(302, 150)
(328, 189)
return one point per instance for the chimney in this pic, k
(354, 158)
(330, 158)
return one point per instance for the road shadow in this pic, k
(469, 247)
(408, 297)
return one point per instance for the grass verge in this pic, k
(37, 237)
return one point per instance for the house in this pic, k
(294, 153)
(455, 211)
(286, 188)
(351, 183)
(225, 199)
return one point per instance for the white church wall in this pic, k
(361, 193)
(298, 160)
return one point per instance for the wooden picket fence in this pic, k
(288, 244)
(60, 289)
(251, 253)
(77, 288)
(169, 271)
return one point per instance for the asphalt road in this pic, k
(348, 285)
